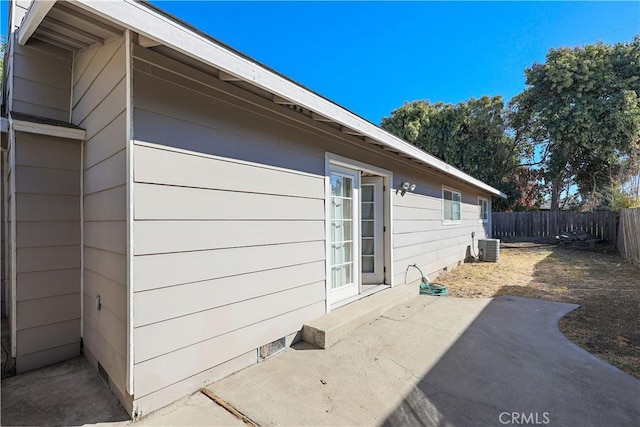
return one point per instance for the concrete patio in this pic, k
(442, 362)
(429, 361)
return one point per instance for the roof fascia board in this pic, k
(32, 20)
(157, 27)
(49, 130)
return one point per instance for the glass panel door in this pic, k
(368, 228)
(372, 229)
(344, 237)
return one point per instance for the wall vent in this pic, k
(489, 250)
(104, 376)
(271, 349)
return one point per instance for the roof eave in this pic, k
(37, 12)
(154, 26)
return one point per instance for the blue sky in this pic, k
(371, 57)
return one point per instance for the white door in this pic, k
(372, 229)
(344, 234)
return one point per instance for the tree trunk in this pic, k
(555, 192)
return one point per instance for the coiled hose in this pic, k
(428, 288)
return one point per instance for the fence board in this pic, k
(602, 224)
(629, 234)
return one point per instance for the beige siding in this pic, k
(9, 246)
(176, 366)
(233, 255)
(229, 221)
(420, 235)
(42, 80)
(99, 103)
(4, 283)
(47, 250)
(231, 244)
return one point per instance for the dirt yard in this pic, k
(607, 324)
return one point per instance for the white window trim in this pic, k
(450, 221)
(483, 220)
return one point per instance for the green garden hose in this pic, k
(428, 288)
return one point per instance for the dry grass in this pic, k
(607, 324)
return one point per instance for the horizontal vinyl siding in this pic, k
(10, 236)
(222, 256)
(42, 80)
(204, 325)
(204, 204)
(229, 219)
(171, 368)
(47, 250)
(420, 235)
(189, 298)
(99, 103)
(155, 237)
(157, 271)
(4, 283)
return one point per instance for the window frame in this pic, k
(487, 210)
(452, 220)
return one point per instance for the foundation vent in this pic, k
(272, 348)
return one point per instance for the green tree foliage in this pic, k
(582, 106)
(473, 136)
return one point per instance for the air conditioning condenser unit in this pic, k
(489, 250)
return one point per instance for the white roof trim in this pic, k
(155, 26)
(49, 130)
(36, 13)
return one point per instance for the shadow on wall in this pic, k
(520, 371)
(488, 229)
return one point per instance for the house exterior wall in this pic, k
(47, 214)
(98, 106)
(41, 80)
(248, 240)
(421, 237)
(43, 194)
(230, 188)
(4, 282)
(9, 247)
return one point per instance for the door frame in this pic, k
(332, 159)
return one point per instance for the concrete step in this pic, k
(331, 328)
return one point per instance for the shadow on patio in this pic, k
(513, 366)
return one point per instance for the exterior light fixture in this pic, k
(407, 186)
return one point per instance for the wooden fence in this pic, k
(602, 224)
(629, 235)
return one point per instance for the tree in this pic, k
(473, 136)
(582, 107)
(524, 189)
